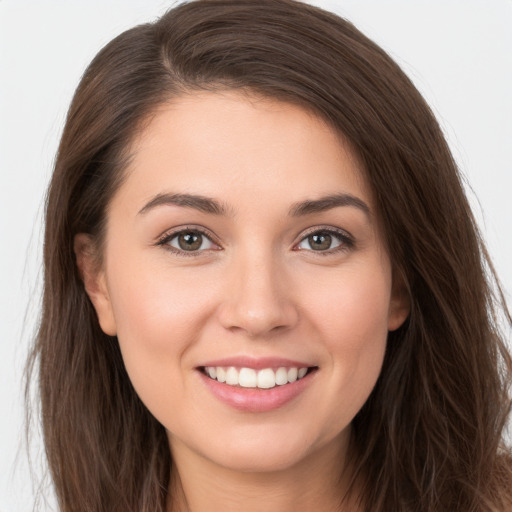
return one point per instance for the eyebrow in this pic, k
(327, 203)
(198, 202)
(214, 207)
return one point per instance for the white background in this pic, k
(458, 52)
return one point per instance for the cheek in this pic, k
(353, 305)
(156, 306)
(159, 316)
(351, 315)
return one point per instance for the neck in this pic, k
(318, 482)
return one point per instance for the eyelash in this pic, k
(168, 236)
(346, 240)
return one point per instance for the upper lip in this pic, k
(257, 363)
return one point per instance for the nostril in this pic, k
(257, 320)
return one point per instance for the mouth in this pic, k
(251, 378)
(255, 385)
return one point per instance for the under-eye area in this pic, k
(265, 378)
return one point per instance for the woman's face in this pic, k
(244, 246)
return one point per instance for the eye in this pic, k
(325, 241)
(188, 240)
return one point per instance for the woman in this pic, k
(264, 287)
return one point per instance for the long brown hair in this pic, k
(430, 437)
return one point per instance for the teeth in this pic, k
(250, 378)
(247, 378)
(302, 372)
(232, 377)
(282, 376)
(292, 374)
(221, 374)
(266, 378)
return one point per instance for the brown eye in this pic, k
(320, 241)
(325, 241)
(190, 241)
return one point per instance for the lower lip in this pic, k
(255, 399)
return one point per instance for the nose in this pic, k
(257, 300)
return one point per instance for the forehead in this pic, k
(242, 148)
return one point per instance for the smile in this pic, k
(261, 384)
(265, 378)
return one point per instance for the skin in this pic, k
(257, 289)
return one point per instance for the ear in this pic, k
(400, 304)
(94, 280)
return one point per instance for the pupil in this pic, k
(189, 241)
(320, 242)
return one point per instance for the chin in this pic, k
(268, 448)
(260, 461)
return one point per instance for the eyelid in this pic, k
(347, 240)
(163, 239)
